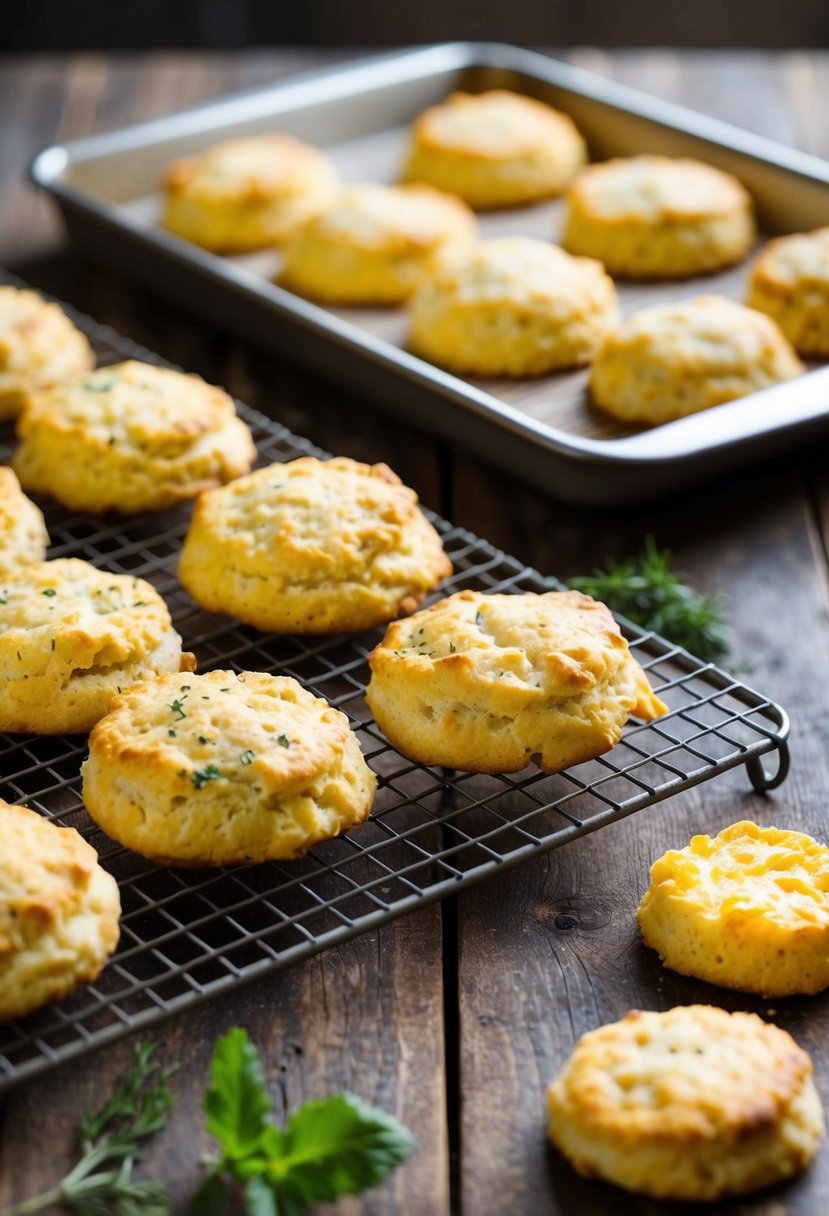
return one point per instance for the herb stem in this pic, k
(37, 1204)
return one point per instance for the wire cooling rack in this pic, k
(189, 935)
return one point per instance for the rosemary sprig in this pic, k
(649, 593)
(110, 1141)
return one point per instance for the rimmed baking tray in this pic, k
(190, 935)
(542, 429)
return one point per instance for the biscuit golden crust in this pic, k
(59, 912)
(131, 437)
(373, 243)
(491, 683)
(223, 769)
(512, 307)
(658, 217)
(693, 1104)
(672, 360)
(247, 194)
(312, 546)
(39, 347)
(747, 909)
(495, 149)
(23, 535)
(790, 282)
(71, 637)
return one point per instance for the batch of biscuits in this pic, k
(226, 768)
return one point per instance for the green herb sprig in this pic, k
(111, 1140)
(337, 1146)
(649, 593)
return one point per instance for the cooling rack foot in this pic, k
(761, 778)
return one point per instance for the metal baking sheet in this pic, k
(543, 428)
(190, 935)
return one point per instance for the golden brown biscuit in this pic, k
(59, 912)
(246, 193)
(658, 217)
(748, 909)
(130, 437)
(672, 360)
(693, 1104)
(312, 546)
(23, 535)
(373, 243)
(492, 683)
(71, 637)
(39, 347)
(790, 282)
(495, 149)
(512, 307)
(224, 769)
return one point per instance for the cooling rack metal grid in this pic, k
(188, 935)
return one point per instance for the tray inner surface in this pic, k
(190, 934)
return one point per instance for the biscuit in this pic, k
(492, 683)
(790, 282)
(495, 149)
(373, 243)
(131, 437)
(512, 307)
(59, 912)
(672, 360)
(312, 546)
(747, 909)
(693, 1104)
(39, 347)
(247, 193)
(71, 637)
(223, 769)
(656, 217)
(23, 535)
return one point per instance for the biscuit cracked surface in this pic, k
(71, 637)
(694, 1104)
(131, 437)
(658, 217)
(59, 912)
(790, 282)
(223, 769)
(495, 149)
(39, 347)
(491, 683)
(748, 909)
(23, 535)
(245, 194)
(312, 546)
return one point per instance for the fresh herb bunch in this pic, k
(649, 593)
(333, 1147)
(111, 1140)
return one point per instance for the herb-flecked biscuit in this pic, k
(695, 1104)
(39, 347)
(59, 912)
(790, 282)
(658, 217)
(223, 769)
(71, 637)
(495, 149)
(247, 193)
(748, 909)
(491, 683)
(373, 243)
(131, 437)
(512, 307)
(23, 535)
(672, 360)
(312, 546)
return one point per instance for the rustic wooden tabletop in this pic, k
(456, 1017)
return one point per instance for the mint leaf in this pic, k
(338, 1146)
(236, 1104)
(210, 1199)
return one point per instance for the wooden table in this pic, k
(457, 1017)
